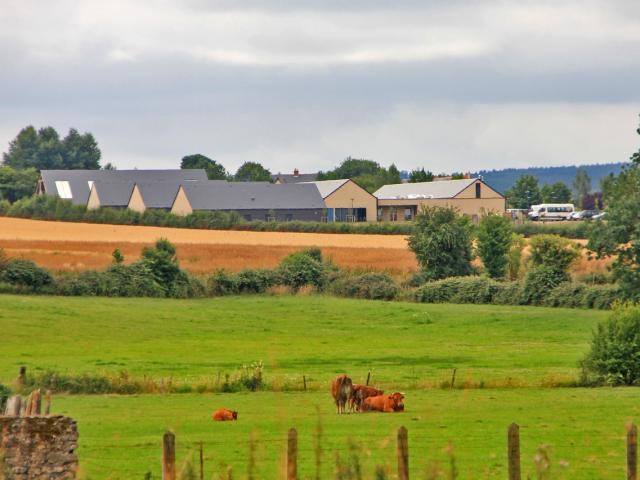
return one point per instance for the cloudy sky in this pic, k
(448, 85)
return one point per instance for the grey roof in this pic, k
(113, 194)
(252, 196)
(410, 191)
(291, 178)
(162, 194)
(327, 187)
(79, 179)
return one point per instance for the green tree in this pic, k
(614, 357)
(43, 150)
(556, 192)
(493, 244)
(524, 193)
(162, 261)
(418, 176)
(80, 151)
(366, 173)
(619, 236)
(16, 184)
(252, 172)
(581, 186)
(457, 176)
(442, 243)
(109, 166)
(215, 171)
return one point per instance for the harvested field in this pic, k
(79, 246)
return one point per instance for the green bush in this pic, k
(303, 268)
(572, 230)
(222, 283)
(508, 293)
(539, 282)
(256, 281)
(614, 357)
(553, 251)
(135, 280)
(370, 285)
(25, 273)
(5, 393)
(459, 290)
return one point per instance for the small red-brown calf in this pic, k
(224, 415)
(358, 395)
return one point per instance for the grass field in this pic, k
(408, 347)
(405, 345)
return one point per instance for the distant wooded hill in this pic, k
(503, 180)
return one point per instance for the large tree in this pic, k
(442, 243)
(556, 192)
(620, 234)
(17, 183)
(44, 150)
(366, 173)
(419, 175)
(494, 242)
(252, 172)
(524, 193)
(215, 171)
(581, 186)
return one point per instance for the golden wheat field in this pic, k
(82, 246)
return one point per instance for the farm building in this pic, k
(109, 194)
(471, 196)
(252, 200)
(295, 177)
(75, 185)
(347, 201)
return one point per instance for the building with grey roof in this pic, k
(252, 200)
(75, 185)
(346, 201)
(295, 177)
(470, 196)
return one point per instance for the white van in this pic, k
(551, 211)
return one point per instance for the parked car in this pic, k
(599, 216)
(584, 214)
(551, 211)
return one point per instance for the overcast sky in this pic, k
(448, 85)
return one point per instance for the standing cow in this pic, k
(341, 388)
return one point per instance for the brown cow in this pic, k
(224, 415)
(385, 403)
(359, 393)
(341, 388)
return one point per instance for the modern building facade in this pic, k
(346, 201)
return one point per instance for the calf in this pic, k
(358, 395)
(385, 403)
(341, 388)
(224, 415)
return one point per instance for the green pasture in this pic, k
(584, 430)
(404, 345)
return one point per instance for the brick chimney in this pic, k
(296, 172)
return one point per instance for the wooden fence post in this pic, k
(169, 456)
(304, 382)
(513, 451)
(368, 377)
(37, 403)
(292, 454)
(453, 378)
(201, 461)
(22, 377)
(403, 454)
(14, 405)
(47, 403)
(632, 452)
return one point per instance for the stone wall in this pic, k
(38, 448)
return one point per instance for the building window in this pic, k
(341, 214)
(478, 189)
(64, 190)
(393, 214)
(408, 213)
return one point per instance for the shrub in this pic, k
(303, 268)
(256, 281)
(459, 290)
(5, 393)
(494, 241)
(25, 273)
(514, 256)
(553, 251)
(508, 293)
(370, 285)
(442, 243)
(135, 280)
(185, 285)
(222, 283)
(567, 230)
(614, 357)
(539, 282)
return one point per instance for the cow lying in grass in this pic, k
(384, 403)
(358, 395)
(224, 415)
